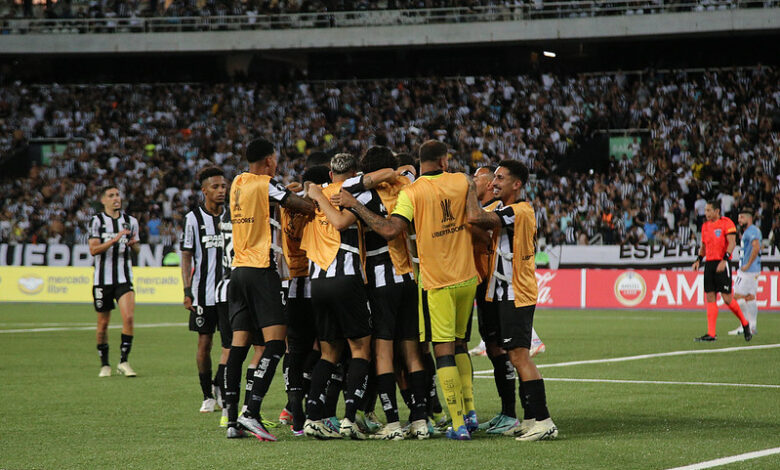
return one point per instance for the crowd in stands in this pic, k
(700, 136)
(215, 8)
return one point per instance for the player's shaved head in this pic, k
(259, 149)
(432, 150)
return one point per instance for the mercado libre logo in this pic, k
(630, 289)
(30, 285)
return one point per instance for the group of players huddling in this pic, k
(352, 277)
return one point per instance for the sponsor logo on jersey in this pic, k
(630, 288)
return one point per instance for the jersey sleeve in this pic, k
(94, 227)
(372, 203)
(404, 208)
(277, 192)
(409, 175)
(507, 216)
(354, 185)
(134, 229)
(188, 236)
(728, 226)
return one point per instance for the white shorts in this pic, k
(746, 283)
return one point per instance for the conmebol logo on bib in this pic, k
(630, 288)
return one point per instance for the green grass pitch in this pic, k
(57, 414)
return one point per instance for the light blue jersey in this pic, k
(750, 234)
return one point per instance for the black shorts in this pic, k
(203, 319)
(515, 324)
(341, 308)
(103, 296)
(394, 311)
(301, 328)
(255, 299)
(717, 281)
(487, 317)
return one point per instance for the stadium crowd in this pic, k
(108, 9)
(699, 136)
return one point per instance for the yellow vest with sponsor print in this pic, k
(250, 216)
(399, 255)
(443, 240)
(523, 255)
(321, 240)
(483, 255)
(293, 224)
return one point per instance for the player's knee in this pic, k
(274, 348)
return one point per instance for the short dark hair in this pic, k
(746, 210)
(317, 174)
(405, 159)
(259, 149)
(432, 150)
(207, 172)
(491, 168)
(104, 189)
(317, 158)
(516, 169)
(376, 158)
(714, 203)
(380, 140)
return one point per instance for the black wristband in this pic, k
(188, 292)
(727, 256)
(699, 259)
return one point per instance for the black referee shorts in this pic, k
(515, 324)
(255, 299)
(394, 311)
(341, 308)
(715, 281)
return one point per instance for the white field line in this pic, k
(728, 460)
(646, 356)
(88, 328)
(661, 382)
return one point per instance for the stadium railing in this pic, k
(346, 19)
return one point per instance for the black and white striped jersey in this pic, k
(226, 227)
(203, 237)
(380, 271)
(347, 261)
(500, 287)
(114, 265)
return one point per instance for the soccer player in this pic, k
(112, 234)
(332, 243)
(512, 287)
(254, 292)
(746, 284)
(718, 239)
(202, 253)
(301, 333)
(392, 294)
(436, 203)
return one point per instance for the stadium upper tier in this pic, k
(184, 27)
(696, 135)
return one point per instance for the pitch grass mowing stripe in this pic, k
(647, 356)
(88, 328)
(728, 460)
(651, 382)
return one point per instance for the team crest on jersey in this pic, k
(718, 232)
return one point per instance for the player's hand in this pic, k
(295, 187)
(121, 234)
(314, 191)
(132, 241)
(721, 266)
(187, 303)
(695, 265)
(743, 269)
(345, 199)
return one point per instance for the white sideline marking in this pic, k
(88, 328)
(728, 460)
(659, 382)
(647, 356)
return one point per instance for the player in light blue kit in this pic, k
(746, 283)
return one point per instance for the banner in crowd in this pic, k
(628, 146)
(641, 256)
(74, 284)
(561, 257)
